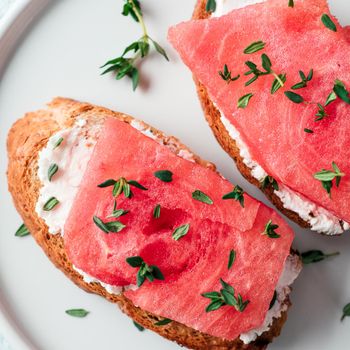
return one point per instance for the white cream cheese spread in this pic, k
(71, 157)
(108, 287)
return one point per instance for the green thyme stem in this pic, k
(278, 78)
(140, 18)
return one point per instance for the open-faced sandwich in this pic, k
(134, 216)
(273, 79)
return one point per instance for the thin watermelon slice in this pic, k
(272, 126)
(191, 265)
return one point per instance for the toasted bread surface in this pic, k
(26, 138)
(213, 117)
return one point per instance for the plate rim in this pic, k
(16, 18)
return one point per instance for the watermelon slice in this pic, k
(191, 265)
(272, 126)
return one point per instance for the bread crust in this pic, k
(212, 115)
(26, 138)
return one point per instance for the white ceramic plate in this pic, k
(59, 55)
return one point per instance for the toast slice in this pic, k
(214, 119)
(26, 138)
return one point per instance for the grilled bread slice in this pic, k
(26, 138)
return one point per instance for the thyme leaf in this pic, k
(270, 230)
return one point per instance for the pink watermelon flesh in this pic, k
(272, 126)
(193, 264)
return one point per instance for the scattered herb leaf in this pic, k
(156, 211)
(77, 312)
(226, 75)
(201, 197)
(231, 259)
(107, 183)
(321, 114)
(58, 142)
(126, 190)
(134, 261)
(304, 80)
(117, 213)
(291, 3)
(270, 230)
(309, 131)
(237, 194)
(273, 300)
(254, 47)
(327, 21)
(118, 187)
(107, 227)
(137, 185)
(331, 98)
(53, 168)
(163, 322)
(180, 231)
(100, 224)
(210, 6)
(164, 175)
(151, 272)
(346, 311)
(269, 180)
(50, 204)
(276, 85)
(340, 90)
(314, 256)
(138, 326)
(22, 231)
(244, 100)
(294, 97)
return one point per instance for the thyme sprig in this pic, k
(327, 176)
(321, 113)
(127, 66)
(122, 186)
(267, 69)
(314, 256)
(270, 230)
(226, 296)
(237, 194)
(150, 272)
(304, 80)
(226, 75)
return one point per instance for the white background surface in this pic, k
(60, 55)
